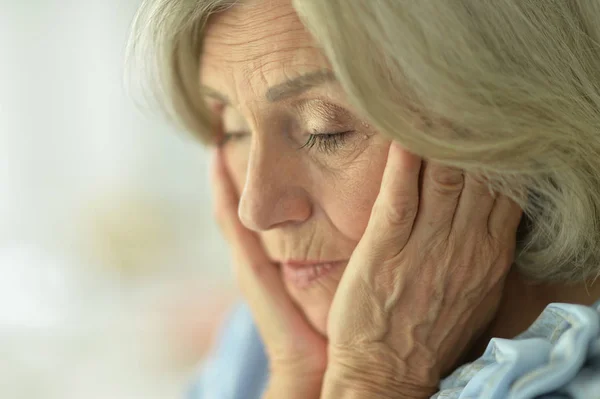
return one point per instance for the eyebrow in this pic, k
(299, 85)
(287, 89)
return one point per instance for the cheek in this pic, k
(349, 200)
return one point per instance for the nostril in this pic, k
(268, 210)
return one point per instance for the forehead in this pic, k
(257, 44)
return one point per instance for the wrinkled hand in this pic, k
(297, 353)
(423, 282)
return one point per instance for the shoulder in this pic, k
(237, 366)
(558, 354)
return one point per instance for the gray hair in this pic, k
(507, 89)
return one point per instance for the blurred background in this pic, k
(113, 275)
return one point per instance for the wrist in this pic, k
(371, 376)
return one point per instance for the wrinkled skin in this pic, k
(305, 204)
(425, 250)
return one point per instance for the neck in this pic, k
(523, 301)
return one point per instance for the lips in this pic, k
(304, 274)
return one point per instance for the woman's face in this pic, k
(307, 167)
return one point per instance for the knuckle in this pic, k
(400, 213)
(447, 180)
(479, 185)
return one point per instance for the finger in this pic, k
(504, 218)
(474, 206)
(226, 199)
(396, 206)
(442, 187)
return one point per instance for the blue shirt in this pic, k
(557, 357)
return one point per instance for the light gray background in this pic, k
(110, 265)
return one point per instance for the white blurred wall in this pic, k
(105, 221)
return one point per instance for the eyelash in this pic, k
(327, 142)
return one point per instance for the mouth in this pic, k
(304, 274)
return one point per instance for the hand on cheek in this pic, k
(426, 276)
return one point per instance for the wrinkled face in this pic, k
(307, 167)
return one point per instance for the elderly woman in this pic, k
(407, 186)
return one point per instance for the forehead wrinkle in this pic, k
(250, 31)
(271, 69)
(260, 14)
(251, 50)
(272, 60)
(282, 67)
(231, 33)
(255, 21)
(229, 38)
(256, 47)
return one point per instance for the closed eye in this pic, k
(327, 142)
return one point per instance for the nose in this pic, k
(274, 192)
